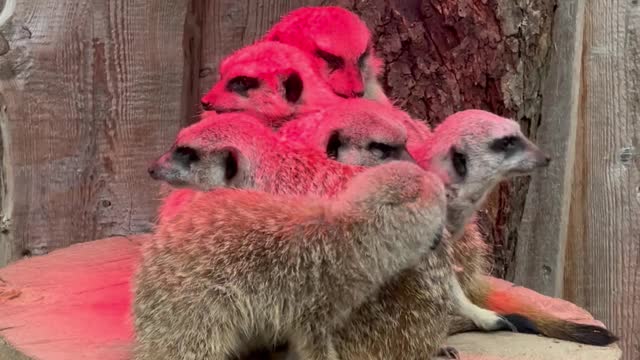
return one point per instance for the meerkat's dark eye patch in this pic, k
(333, 145)
(381, 150)
(185, 155)
(293, 87)
(334, 62)
(459, 161)
(230, 166)
(242, 84)
(363, 58)
(507, 144)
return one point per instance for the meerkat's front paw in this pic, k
(448, 352)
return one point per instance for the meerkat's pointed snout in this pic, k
(156, 169)
(536, 157)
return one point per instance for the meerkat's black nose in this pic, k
(206, 105)
(547, 160)
(153, 171)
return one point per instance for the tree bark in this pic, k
(450, 55)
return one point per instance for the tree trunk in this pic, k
(450, 55)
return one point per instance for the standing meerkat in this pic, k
(249, 156)
(236, 270)
(270, 80)
(235, 150)
(469, 249)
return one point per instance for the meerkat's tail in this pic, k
(527, 318)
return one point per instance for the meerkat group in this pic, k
(311, 218)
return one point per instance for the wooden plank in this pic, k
(543, 231)
(75, 303)
(230, 24)
(603, 266)
(93, 92)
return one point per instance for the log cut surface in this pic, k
(75, 303)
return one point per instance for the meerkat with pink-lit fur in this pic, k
(339, 43)
(270, 80)
(237, 270)
(207, 134)
(356, 131)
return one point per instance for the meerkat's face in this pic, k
(474, 150)
(338, 41)
(268, 80)
(210, 154)
(355, 132)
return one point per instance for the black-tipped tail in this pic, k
(563, 330)
(589, 334)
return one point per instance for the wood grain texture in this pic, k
(75, 303)
(603, 250)
(92, 91)
(542, 234)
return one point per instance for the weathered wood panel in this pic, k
(92, 91)
(603, 250)
(542, 234)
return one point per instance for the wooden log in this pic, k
(75, 303)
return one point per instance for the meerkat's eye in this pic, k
(508, 144)
(363, 58)
(380, 150)
(334, 62)
(185, 155)
(459, 161)
(242, 85)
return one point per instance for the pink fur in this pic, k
(271, 63)
(359, 119)
(336, 31)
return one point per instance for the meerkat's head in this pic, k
(473, 150)
(218, 151)
(339, 43)
(270, 80)
(355, 132)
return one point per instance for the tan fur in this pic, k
(236, 269)
(358, 123)
(399, 314)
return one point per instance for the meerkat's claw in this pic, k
(504, 324)
(448, 352)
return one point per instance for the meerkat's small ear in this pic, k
(236, 168)
(293, 87)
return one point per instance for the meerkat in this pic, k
(341, 48)
(357, 130)
(270, 80)
(236, 269)
(340, 45)
(236, 150)
(469, 249)
(246, 154)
